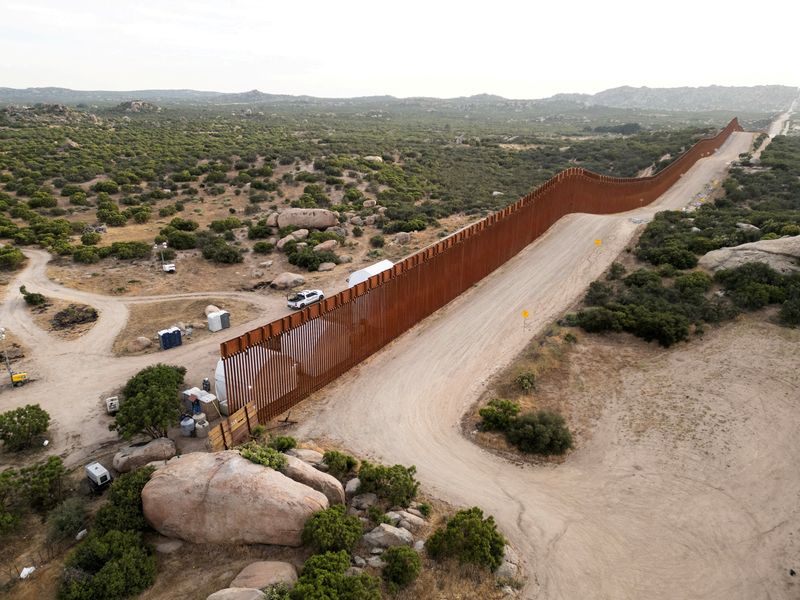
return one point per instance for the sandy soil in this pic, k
(145, 319)
(586, 532)
(610, 522)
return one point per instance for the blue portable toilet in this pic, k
(169, 338)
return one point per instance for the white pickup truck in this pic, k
(304, 298)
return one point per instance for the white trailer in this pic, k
(361, 275)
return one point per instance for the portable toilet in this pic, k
(220, 319)
(169, 338)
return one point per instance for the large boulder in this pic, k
(287, 280)
(285, 240)
(310, 218)
(263, 573)
(312, 457)
(300, 234)
(237, 593)
(314, 478)
(326, 246)
(137, 344)
(326, 266)
(272, 220)
(781, 254)
(386, 536)
(214, 499)
(133, 457)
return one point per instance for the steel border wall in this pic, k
(276, 366)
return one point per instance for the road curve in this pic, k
(405, 405)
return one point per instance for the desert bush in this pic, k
(90, 238)
(150, 402)
(32, 298)
(324, 578)
(309, 259)
(331, 530)
(396, 483)
(86, 255)
(181, 240)
(74, 315)
(469, 538)
(525, 381)
(124, 510)
(114, 565)
(425, 509)
(498, 415)
(263, 247)
(599, 294)
(339, 463)
(263, 455)
(282, 443)
(377, 241)
(402, 566)
(615, 271)
(278, 591)
(790, 310)
(41, 484)
(20, 427)
(217, 250)
(10, 503)
(376, 515)
(131, 250)
(66, 520)
(542, 432)
(11, 258)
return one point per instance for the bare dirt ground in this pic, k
(43, 317)
(145, 319)
(617, 520)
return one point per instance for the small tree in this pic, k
(542, 432)
(124, 509)
(470, 538)
(41, 485)
(19, 427)
(402, 566)
(112, 566)
(332, 530)
(396, 484)
(498, 415)
(32, 298)
(66, 520)
(150, 402)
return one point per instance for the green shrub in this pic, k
(376, 515)
(525, 381)
(790, 310)
(263, 455)
(90, 238)
(694, 282)
(131, 250)
(358, 231)
(20, 427)
(402, 566)
(498, 415)
(309, 259)
(181, 240)
(32, 298)
(124, 510)
(11, 258)
(542, 432)
(377, 241)
(615, 271)
(41, 484)
(66, 520)
(599, 294)
(184, 224)
(114, 565)
(282, 443)
(323, 578)
(263, 247)
(339, 463)
(151, 403)
(396, 484)
(86, 255)
(10, 502)
(217, 250)
(425, 509)
(278, 591)
(470, 538)
(332, 530)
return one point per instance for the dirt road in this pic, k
(585, 531)
(72, 377)
(778, 127)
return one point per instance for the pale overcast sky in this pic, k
(523, 49)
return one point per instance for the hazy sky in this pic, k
(407, 48)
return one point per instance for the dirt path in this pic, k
(71, 377)
(584, 532)
(778, 127)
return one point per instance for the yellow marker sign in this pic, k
(524, 314)
(598, 242)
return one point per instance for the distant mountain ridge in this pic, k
(766, 98)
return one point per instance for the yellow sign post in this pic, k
(598, 242)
